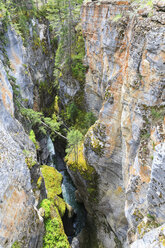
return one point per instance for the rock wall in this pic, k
(20, 221)
(125, 87)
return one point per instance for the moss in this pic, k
(90, 190)
(45, 204)
(138, 214)
(55, 236)
(54, 208)
(60, 204)
(32, 137)
(85, 170)
(162, 239)
(108, 95)
(117, 17)
(30, 161)
(53, 180)
(145, 135)
(118, 242)
(39, 181)
(146, 226)
(151, 217)
(157, 114)
(95, 138)
(97, 146)
(16, 245)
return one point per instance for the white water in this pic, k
(68, 192)
(51, 150)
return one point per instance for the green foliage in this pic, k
(89, 119)
(34, 117)
(72, 112)
(56, 107)
(29, 159)
(42, 123)
(157, 114)
(117, 17)
(145, 135)
(63, 16)
(151, 216)
(77, 118)
(16, 245)
(33, 139)
(74, 138)
(78, 68)
(19, 15)
(143, 4)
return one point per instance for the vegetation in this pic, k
(42, 123)
(77, 118)
(54, 208)
(33, 139)
(117, 17)
(53, 180)
(85, 170)
(62, 17)
(18, 14)
(29, 159)
(143, 3)
(16, 245)
(157, 114)
(55, 236)
(74, 138)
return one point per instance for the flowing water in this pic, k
(68, 192)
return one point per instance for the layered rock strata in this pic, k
(125, 87)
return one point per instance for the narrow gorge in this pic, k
(82, 124)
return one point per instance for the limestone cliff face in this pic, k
(19, 218)
(125, 87)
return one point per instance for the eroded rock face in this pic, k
(18, 62)
(19, 218)
(125, 86)
(152, 239)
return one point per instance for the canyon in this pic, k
(122, 186)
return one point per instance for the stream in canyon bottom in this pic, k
(68, 191)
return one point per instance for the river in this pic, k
(68, 191)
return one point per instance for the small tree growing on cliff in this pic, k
(74, 138)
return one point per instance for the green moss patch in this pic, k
(87, 172)
(16, 245)
(146, 226)
(55, 236)
(53, 180)
(33, 139)
(60, 204)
